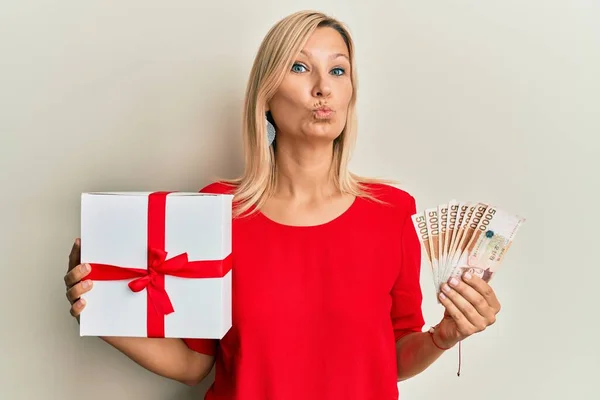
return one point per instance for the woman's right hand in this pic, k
(75, 282)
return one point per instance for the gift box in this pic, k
(161, 264)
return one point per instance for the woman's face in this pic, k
(312, 101)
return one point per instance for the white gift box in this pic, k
(115, 230)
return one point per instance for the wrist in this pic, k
(440, 340)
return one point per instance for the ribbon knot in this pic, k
(153, 280)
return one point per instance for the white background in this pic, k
(477, 100)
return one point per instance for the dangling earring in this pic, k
(270, 132)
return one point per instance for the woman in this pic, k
(326, 296)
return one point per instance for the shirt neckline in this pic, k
(336, 220)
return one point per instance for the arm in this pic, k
(170, 358)
(415, 352)
(470, 307)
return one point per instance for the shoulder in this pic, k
(392, 196)
(218, 187)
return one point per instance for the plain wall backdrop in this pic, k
(477, 100)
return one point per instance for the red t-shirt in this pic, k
(317, 310)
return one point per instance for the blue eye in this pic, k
(340, 70)
(297, 67)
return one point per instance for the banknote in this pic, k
(471, 221)
(493, 237)
(420, 225)
(443, 218)
(461, 236)
(452, 218)
(433, 230)
(486, 217)
(462, 231)
(463, 213)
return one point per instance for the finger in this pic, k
(77, 290)
(474, 297)
(77, 274)
(463, 324)
(75, 254)
(483, 288)
(77, 308)
(467, 309)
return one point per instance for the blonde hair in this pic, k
(275, 56)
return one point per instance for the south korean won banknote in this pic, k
(463, 236)
(490, 236)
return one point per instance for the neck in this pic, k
(304, 170)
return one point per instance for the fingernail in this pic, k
(442, 296)
(467, 275)
(445, 288)
(81, 303)
(85, 284)
(453, 281)
(85, 267)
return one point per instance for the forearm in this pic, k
(170, 358)
(414, 353)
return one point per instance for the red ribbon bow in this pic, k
(158, 266)
(153, 278)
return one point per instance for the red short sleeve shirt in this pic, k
(317, 310)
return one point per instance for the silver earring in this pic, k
(270, 132)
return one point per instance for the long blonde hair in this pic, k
(274, 59)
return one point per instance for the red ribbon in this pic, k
(153, 278)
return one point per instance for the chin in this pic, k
(325, 129)
(325, 136)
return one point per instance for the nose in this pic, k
(322, 86)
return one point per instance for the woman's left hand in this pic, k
(471, 306)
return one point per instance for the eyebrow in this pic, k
(333, 56)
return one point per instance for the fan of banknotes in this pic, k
(465, 236)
